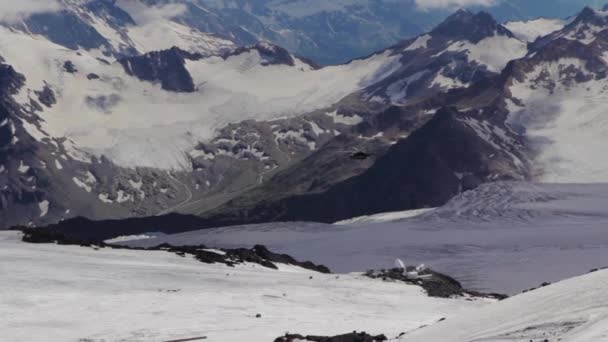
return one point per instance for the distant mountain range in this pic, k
(328, 32)
(123, 119)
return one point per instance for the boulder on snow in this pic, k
(436, 284)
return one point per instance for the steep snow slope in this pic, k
(575, 310)
(116, 29)
(60, 293)
(161, 35)
(104, 111)
(503, 237)
(530, 30)
(463, 49)
(558, 99)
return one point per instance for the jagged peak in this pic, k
(466, 25)
(592, 16)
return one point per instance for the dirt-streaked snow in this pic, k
(68, 293)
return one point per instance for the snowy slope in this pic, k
(530, 30)
(501, 237)
(161, 35)
(117, 29)
(461, 50)
(121, 116)
(575, 310)
(558, 100)
(59, 293)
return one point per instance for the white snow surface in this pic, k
(129, 238)
(44, 208)
(136, 123)
(493, 52)
(156, 33)
(343, 119)
(565, 122)
(575, 310)
(165, 34)
(69, 293)
(501, 237)
(385, 217)
(420, 43)
(530, 30)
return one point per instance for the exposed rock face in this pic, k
(458, 161)
(271, 54)
(166, 67)
(470, 26)
(67, 29)
(47, 96)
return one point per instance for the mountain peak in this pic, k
(591, 16)
(470, 26)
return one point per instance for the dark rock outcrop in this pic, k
(166, 67)
(258, 254)
(69, 67)
(46, 96)
(41, 235)
(66, 29)
(271, 54)
(436, 284)
(352, 337)
(87, 229)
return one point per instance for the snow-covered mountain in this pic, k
(540, 118)
(108, 30)
(127, 111)
(530, 30)
(255, 133)
(94, 112)
(558, 95)
(340, 30)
